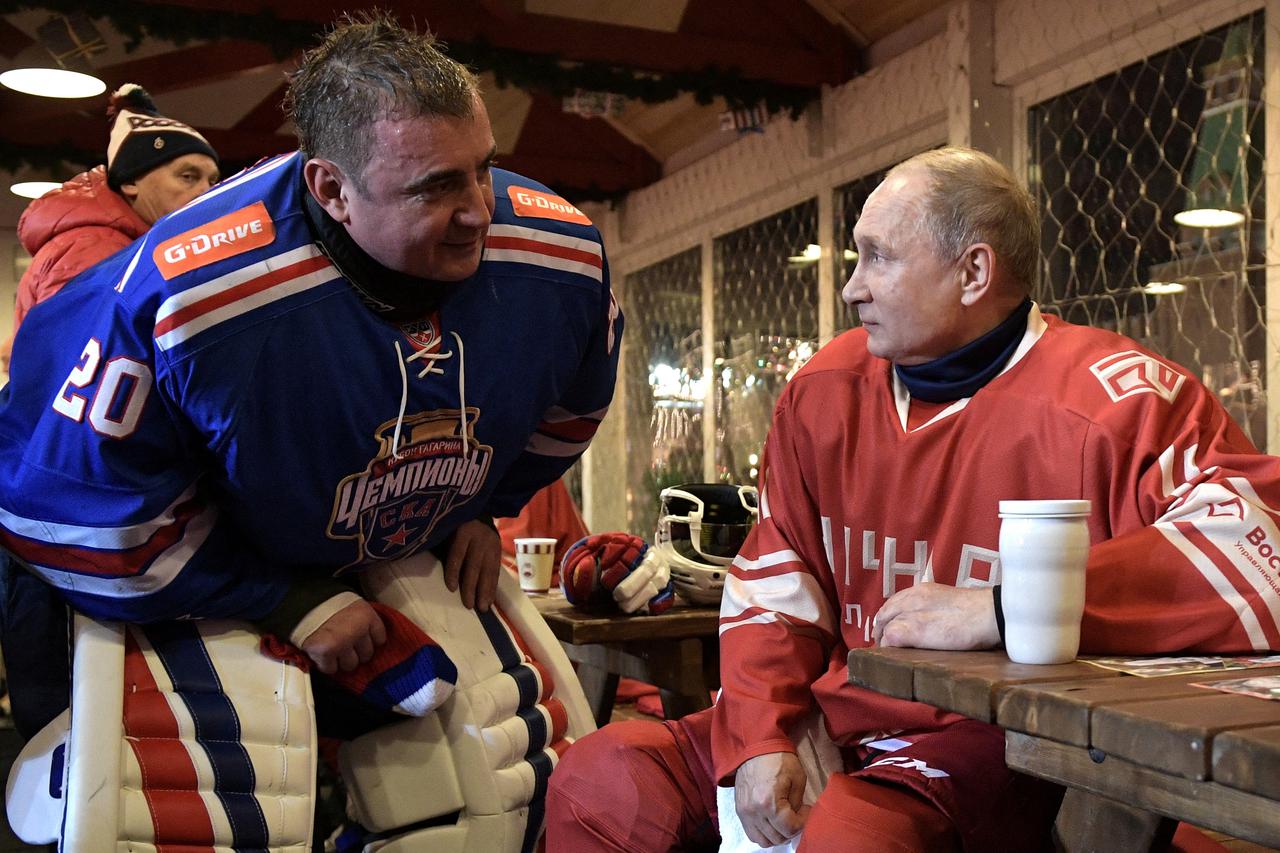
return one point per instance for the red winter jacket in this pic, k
(69, 230)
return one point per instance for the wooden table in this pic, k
(1136, 754)
(678, 652)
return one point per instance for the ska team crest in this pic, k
(392, 506)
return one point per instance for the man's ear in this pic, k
(325, 182)
(977, 271)
(130, 192)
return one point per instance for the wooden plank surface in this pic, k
(1145, 743)
(1249, 759)
(1207, 804)
(887, 671)
(968, 683)
(974, 689)
(1176, 735)
(1062, 710)
(573, 626)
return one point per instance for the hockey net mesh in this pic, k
(766, 328)
(1117, 167)
(664, 385)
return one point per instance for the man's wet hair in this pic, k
(369, 68)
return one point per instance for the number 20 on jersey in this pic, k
(123, 385)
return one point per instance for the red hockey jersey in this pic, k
(864, 493)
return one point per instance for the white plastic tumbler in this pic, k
(1043, 549)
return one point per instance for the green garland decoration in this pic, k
(526, 70)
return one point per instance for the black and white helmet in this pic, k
(701, 526)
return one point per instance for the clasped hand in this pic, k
(349, 637)
(768, 792)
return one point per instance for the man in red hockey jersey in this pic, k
(886, 459)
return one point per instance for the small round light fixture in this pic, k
(811, 253)
(33, 189)
(1208, 217)
(1163, 288)
(52, 83)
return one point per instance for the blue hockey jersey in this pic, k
(214, 412)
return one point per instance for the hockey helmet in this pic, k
(701, 526)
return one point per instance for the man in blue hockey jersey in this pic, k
(343, 355)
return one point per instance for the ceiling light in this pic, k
(1208, 217)
(33, 189)
(811, 253)
(1163, 288)
(52, 83)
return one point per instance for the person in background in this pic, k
(887, 456)
(154, 166)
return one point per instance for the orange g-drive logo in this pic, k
(529, 202)
(239, 231)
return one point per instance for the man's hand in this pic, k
(937, 616)
(475, 554)
(346, 639)
(768, 792)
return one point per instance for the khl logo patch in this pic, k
(1127, 373)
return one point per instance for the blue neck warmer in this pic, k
(961, 373)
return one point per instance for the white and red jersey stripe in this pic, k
(186, 314)
(538, 247)
(564, 433)
(116, 562)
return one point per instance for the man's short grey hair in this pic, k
(974, 199)
(370, 68)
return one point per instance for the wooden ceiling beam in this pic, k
(184, 68)
(195, 65)
(268, 115)
(88, 133)
(839, 52)
(576, 154)
(13, 40)
(580, 41)
(503, 10)
(246, 146)
(598, 132)
(573, 176)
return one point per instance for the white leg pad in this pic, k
(182, 734)
(472, 835)
(517, 706)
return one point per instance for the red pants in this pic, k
(647, 787)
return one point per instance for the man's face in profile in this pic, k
(903, 291)
(169, 186)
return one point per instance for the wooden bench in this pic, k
(678, 652)
(1136, 754)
